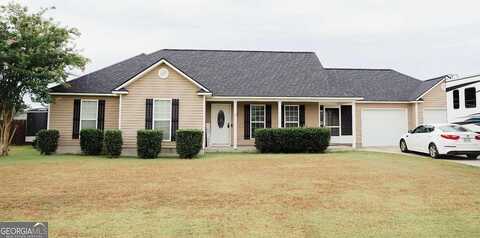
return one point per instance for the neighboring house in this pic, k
(228, 94)
(462, 100)
(36, 120)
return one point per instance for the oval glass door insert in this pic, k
(221, 119)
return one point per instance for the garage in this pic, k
(383, 127)
(432, 116)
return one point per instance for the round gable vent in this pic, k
(163, 73)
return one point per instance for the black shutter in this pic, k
(246, 121)
(346, 123)
(148, 114)
(283, 114)
(268, 115)
(76, 119)
(175, 113)
(302, 115)
(101, 114)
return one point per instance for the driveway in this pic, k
(396, 150)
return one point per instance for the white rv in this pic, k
(463, 104)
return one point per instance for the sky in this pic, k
(423, 38)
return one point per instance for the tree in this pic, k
(35, 51)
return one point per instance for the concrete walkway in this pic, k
(396, 150)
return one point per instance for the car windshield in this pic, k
(453, 128)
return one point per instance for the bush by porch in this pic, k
(292, 140)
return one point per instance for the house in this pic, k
(462, 102)
(228, 94)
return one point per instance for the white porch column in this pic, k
(235, 127)
(354, 125)
(204, 119)
(279, 114)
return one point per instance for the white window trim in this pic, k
(321, 118)
(153, 116)
(251, 121)
(285, 114)
(96, 115)
(339, 119)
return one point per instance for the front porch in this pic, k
(231, 123)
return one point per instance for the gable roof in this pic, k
(382, 84)
(256, 74)
(104, 80)
(426, 85)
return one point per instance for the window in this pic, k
(332, 120)
(162, 117)
(423, 129)
(456, 99)
(470, 98)
(88, 114)
(257, 118)
(291, 116)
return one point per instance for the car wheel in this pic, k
(403, 146)
(472, 156)
(432, 149)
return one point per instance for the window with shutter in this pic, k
(257, 118)
(291, 116)
(89, 114)
(162, 117)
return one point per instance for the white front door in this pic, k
(220, 121)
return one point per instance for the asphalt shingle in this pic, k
(259, 73)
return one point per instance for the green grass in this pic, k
(341, 194)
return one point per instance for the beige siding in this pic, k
(420, 113)
(151, 86)
(360, 106)
(61, 117)
(312, 114)
(436, 98)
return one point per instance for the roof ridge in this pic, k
(108, 66)
(372, 69)
(98, 70)
(443, 76)
(229, 50)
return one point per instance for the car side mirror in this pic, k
(410, 131)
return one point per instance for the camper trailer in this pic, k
(463, 105)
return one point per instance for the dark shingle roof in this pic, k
(426, 85)
(106, 79)
(381, 84)
(258, 73)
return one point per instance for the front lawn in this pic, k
(343, 194)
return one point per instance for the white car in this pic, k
(442, 139)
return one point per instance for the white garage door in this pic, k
(383, 127)
(432, 116)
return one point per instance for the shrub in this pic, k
(189, 143)
(47, 141)
(113, 143)
(149, 143)
(292, 140)
(34, 143)
(91, 141)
